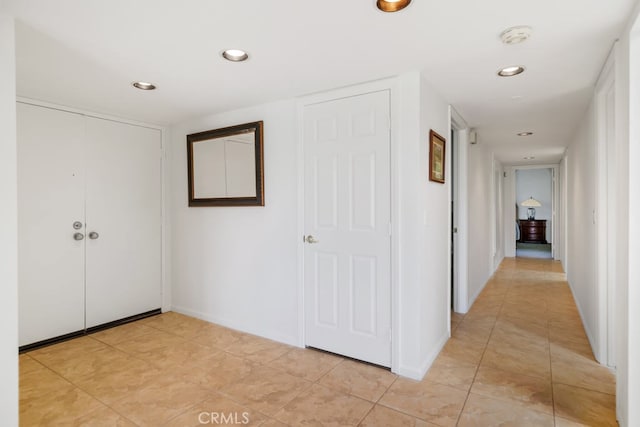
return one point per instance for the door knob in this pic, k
(93, 235)
(311, 239)
(78, 236)
(77, 225)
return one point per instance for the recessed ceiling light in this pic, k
(392, 5)
(235, 55)
(511, 71)
(515, 35)
(529, 158)
(144, 85)
(525, 133)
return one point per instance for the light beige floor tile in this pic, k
(522, 326)
(149, 343)
(534, 392)
(456, 316)
(383, 416)
(185, 355)
(103, 417)
(166, 320)
(524, 341)
(515, 360)
(448, 371)
(584, 406)
(218, 337)
(257, 349)
(573, 369)
(28, 364)
(122, 333)
(562, 422)
(359, 379)
(307, 363)
(218, 410)
(171, 365)
(473, 331)
(160, 401)
(82, 365)
(484, 411)
(271, 422)
(436, 403)
(178, 324)
(220, 370)
(464, 350)
(67, 350)
(324, 407)
(39, 381)
(58, 407)
(267, 391)
(577, 345)
(111, 383)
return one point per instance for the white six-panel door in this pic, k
(50, 200)
(347, 227)
(124, 208)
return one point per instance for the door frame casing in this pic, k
(461, 215)
(164, 183)
(509, 195)
(391, 85)
(606, 209)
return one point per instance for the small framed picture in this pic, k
(436, 157)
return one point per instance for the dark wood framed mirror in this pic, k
(226, 166)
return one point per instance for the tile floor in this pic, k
(520, 357)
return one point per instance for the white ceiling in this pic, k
(85, 54)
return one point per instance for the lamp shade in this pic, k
(531, 203)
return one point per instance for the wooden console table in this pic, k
(533, 231)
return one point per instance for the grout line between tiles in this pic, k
(481, 358)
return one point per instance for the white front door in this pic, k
(50, 199)
(347, 257)
(123, 202)
(106, 177)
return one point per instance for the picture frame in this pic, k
(437, 150)
(226, 166)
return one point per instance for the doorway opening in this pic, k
(534, 212)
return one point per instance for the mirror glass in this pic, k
(225, 166)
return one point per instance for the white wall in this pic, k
(580, 164)
(580, 161)
(628, 247)
(536, 183)
(433, 232)
(8, 227)
(497, 222)
(481, 218)
(237, 266)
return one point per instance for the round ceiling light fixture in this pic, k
(235, 55)
(525, 133)
(511, 71)
(392, 5)
(143, 85)
(515, 35)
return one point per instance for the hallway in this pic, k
(519, 357)
(523, 342)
